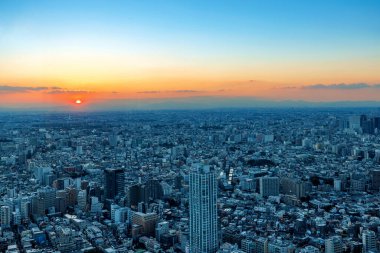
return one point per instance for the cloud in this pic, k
(12, 88)
(339, 86)
(185, 91)
(61, 91)
(149, 92)
(167, 91)
(342, 86)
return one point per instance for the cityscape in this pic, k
(195, 126)
(262, 181)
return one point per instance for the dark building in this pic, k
(114, 183)
(356, 247)
(376, 122)
(233, 236)
(368, 126)
(375, 178)
(153, 190)
(145, 193)
(133, 195)
(178, 182)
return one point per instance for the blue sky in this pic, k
(135, 46)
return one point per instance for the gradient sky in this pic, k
(54, 52)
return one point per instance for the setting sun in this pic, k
(78, 101)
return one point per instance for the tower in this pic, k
(203, 210)
(114, 183)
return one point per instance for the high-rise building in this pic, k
(25, 207)
(114, 183)
(375, 178)
(203, 210)
(161, 228)
(248, 246)
(82, 199)
(95, 205)
(146, 220)
(121, 215)
(149, 191)
(5, 216)
(292, 186)
(16, 217)
(334, 245)
(42, 174)
(44, 201)
(134, 194)
(153, 190)
(354, 121)
(369, 241)
(261, 245)
(269, 186)
(114, 207)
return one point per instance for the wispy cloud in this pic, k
(185, 91)
(149, 92)
(61, 91)
(13, 88)
(167, 91)
(339, 86)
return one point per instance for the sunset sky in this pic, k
(53, 53)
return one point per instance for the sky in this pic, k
(53, 53)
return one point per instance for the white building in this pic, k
(203, 210)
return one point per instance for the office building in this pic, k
(114, 183)
(147, 221)
(269, 186)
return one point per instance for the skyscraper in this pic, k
(114, 182)
(369, 241)
(203, 210)
(5, 216)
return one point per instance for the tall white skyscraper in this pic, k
(203, 210)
